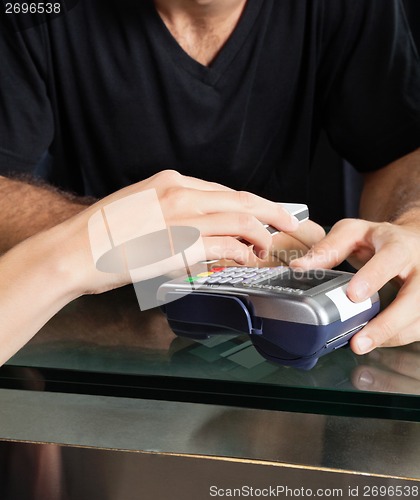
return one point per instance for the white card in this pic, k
(345, 306)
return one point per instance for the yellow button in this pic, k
(204, 275)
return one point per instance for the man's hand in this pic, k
(385, 251)
(390, 370)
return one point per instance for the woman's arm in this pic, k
(35, 283)
(42, 274)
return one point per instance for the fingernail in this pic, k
(365, 378)
(298, 264)
(364, 344)
(292, 225)
(361, 291)
(294, 222)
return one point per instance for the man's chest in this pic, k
(137, 103)
(202, 34)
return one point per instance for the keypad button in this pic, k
(275, 270)
(251, 280)
(191, 279)
(210, 281)
(224, 280)
(201, 280)
(260, 278)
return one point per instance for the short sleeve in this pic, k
(369, 82)
(26, 120)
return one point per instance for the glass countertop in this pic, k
(106, 345)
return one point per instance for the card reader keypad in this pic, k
(244, 277)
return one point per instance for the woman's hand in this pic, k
(290, 246)
(48, 270)
(228, 221)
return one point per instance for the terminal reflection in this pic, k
(110, 334)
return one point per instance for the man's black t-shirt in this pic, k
(113, 98)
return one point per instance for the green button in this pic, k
(192, 279)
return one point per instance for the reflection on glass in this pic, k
(109, 334)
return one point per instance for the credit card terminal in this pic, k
(292, 317)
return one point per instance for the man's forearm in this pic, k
(27, 209)
(393, 193)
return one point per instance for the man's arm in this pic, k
(393, 192)
(28, 208)
(387, 248)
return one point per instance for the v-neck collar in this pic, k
(208, 74)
